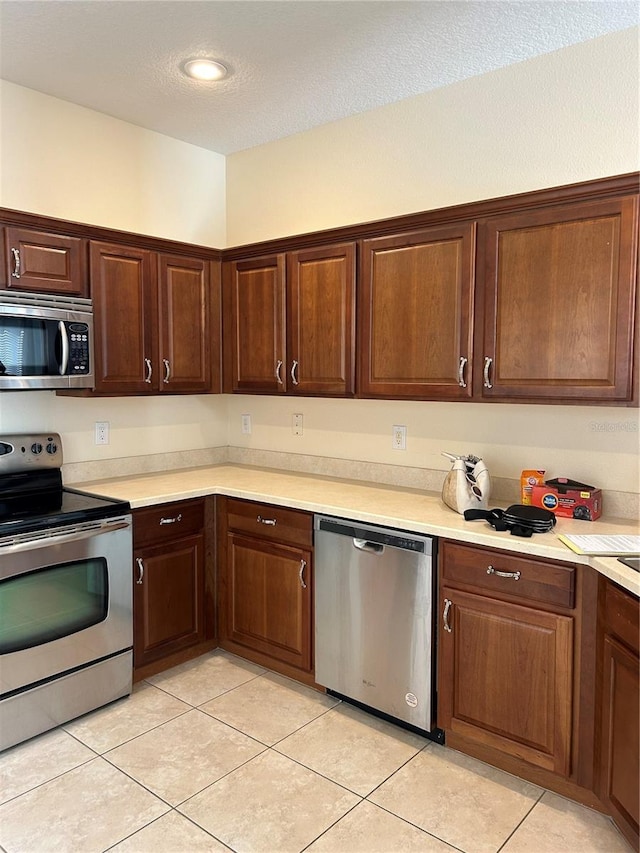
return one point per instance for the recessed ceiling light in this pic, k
(205, 69)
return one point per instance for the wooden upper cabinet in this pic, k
(45, 263)
(255, 325)
(186, 344)
(321, 320)
(559, 303)
(415, 310)
(123, 289)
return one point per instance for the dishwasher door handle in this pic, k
(369, 547)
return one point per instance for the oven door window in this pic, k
(29, 347)
(50, 603)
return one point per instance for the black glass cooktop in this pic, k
(53, 507)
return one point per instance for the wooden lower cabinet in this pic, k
(507, 671)
(170, 596)
(269, 606)
(517, 666)
(619, 721)
(265, 561)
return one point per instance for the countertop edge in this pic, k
(407, 509)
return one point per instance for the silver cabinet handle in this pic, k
(278, 374)
(270, 521)
(167, 371)
(293, 372)
(16, 263)
(140, 570)
(445, 615)
(461, 367)
(514, 575)
(64, 355)
(178, 517)
(147, 362)
(303, 565)
(487, 366)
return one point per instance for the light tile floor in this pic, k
(219, 754)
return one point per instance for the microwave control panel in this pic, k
(78, 334)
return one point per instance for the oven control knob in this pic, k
(52, 448)
(36, 448)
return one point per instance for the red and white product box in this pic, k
(569, 500)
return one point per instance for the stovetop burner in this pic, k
(32, 496)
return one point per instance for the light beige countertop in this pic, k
(408, 509)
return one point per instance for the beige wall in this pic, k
(569, 116)
(63, 160)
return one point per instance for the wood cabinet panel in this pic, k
(45, 263)
(184, 324)
(560, 302)
(123, 289)
(164, 522)
(618, 771)
(267, 521)
(168, 598)
(506, 678)
(534, 580)
(416, 303)
(256, 293)
(321, 320)
(269, 599)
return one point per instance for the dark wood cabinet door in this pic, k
(618, 771)
(123, 288)
(620, 751)
(506, 678)
(185, 331)
(559, 303)
(415, 309)
(255, 292)
(269, 599)
(321, 320)
(45, 263)
(168, 598)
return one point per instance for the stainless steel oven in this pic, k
(66, 616)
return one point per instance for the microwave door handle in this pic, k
(64, 360)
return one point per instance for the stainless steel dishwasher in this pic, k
(374, 631)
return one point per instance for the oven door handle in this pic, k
(88, 530)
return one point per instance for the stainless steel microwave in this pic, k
(46, 341)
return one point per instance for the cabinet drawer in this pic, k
(169, 521)
(535, 580)
(270, 522)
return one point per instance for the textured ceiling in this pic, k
(294, 64)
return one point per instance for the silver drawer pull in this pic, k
(278, 373)
(167, 371)
(303, 565)
(487, 366)
(270, 521)
(293, 372)
(461, 380)
(140, 570)
(171, 520)
(445, 615)
(513, 575)
(16, 263)
(149, 367)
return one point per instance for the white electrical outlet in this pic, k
(296, 424)
(102, 432)
(246, 424)
(399, 437)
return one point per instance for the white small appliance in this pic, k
(467, 485)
